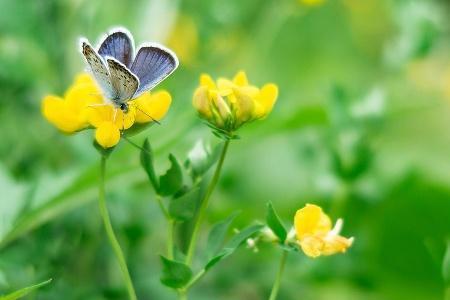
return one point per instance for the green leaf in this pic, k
(172, 181)
(446, 264)
(201, 158)
(147, 164)
(23, 292)
(217, 235)
(243, 235)
(182, 207)
(175, 274)
(222, 254)
(233, 244)
(274, 222)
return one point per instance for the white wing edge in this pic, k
(160, 46)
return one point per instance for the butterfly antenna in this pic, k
(123, 123)
(154, 120)
(135, 145)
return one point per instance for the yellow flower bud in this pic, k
(202, 103)
(228, 104)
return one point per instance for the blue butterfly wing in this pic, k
(118, 45)
(98, 69)
(152, 65)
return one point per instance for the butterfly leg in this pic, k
(98, 105)
(115, 114)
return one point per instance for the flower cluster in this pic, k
(315, 235)
(228, 104)
(84, 107)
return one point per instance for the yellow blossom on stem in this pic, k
(311, 2)
(228, 104)
(84, 107)
(315, 234)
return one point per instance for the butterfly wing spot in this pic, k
(119, 76)
(123, 81)
(98, 69)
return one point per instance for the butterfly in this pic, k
(120, 74)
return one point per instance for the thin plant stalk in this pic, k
(110, 232)
(204, 204)
(277, 282)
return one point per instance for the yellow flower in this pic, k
(83, 107)
(228, 104)
(311, 2)
(315, 235)
(183, 39)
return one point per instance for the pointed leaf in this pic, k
(175, 274)
(23, 292)
(172, 181)
(182, 207)
(446, 265)
(233, 244)
(217, 235)
(147, 164)
(243, 235)
(274, 222)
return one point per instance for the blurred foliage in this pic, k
(361, 127)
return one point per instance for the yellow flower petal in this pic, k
(311, 2)
(314, 233)
(84, 78)
(107, 135)
(152, 106)
(201, 102)
(125, 120)
(240, 79)
(224, 84)
(312, 246)
(266, 100)
(56, 112)
(336, 244)
(311, 220)
(97, 115)
(206, 80)
(243, 104)
(81, 95)
(222, 107)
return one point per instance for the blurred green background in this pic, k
(361, 127)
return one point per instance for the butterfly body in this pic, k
(121, 76)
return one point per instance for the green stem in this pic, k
(162, 207)
(110, 232)
(195, 279)
(170, 226)
(204, 204)
(170, 230)
(182, 295)
(276, 284)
